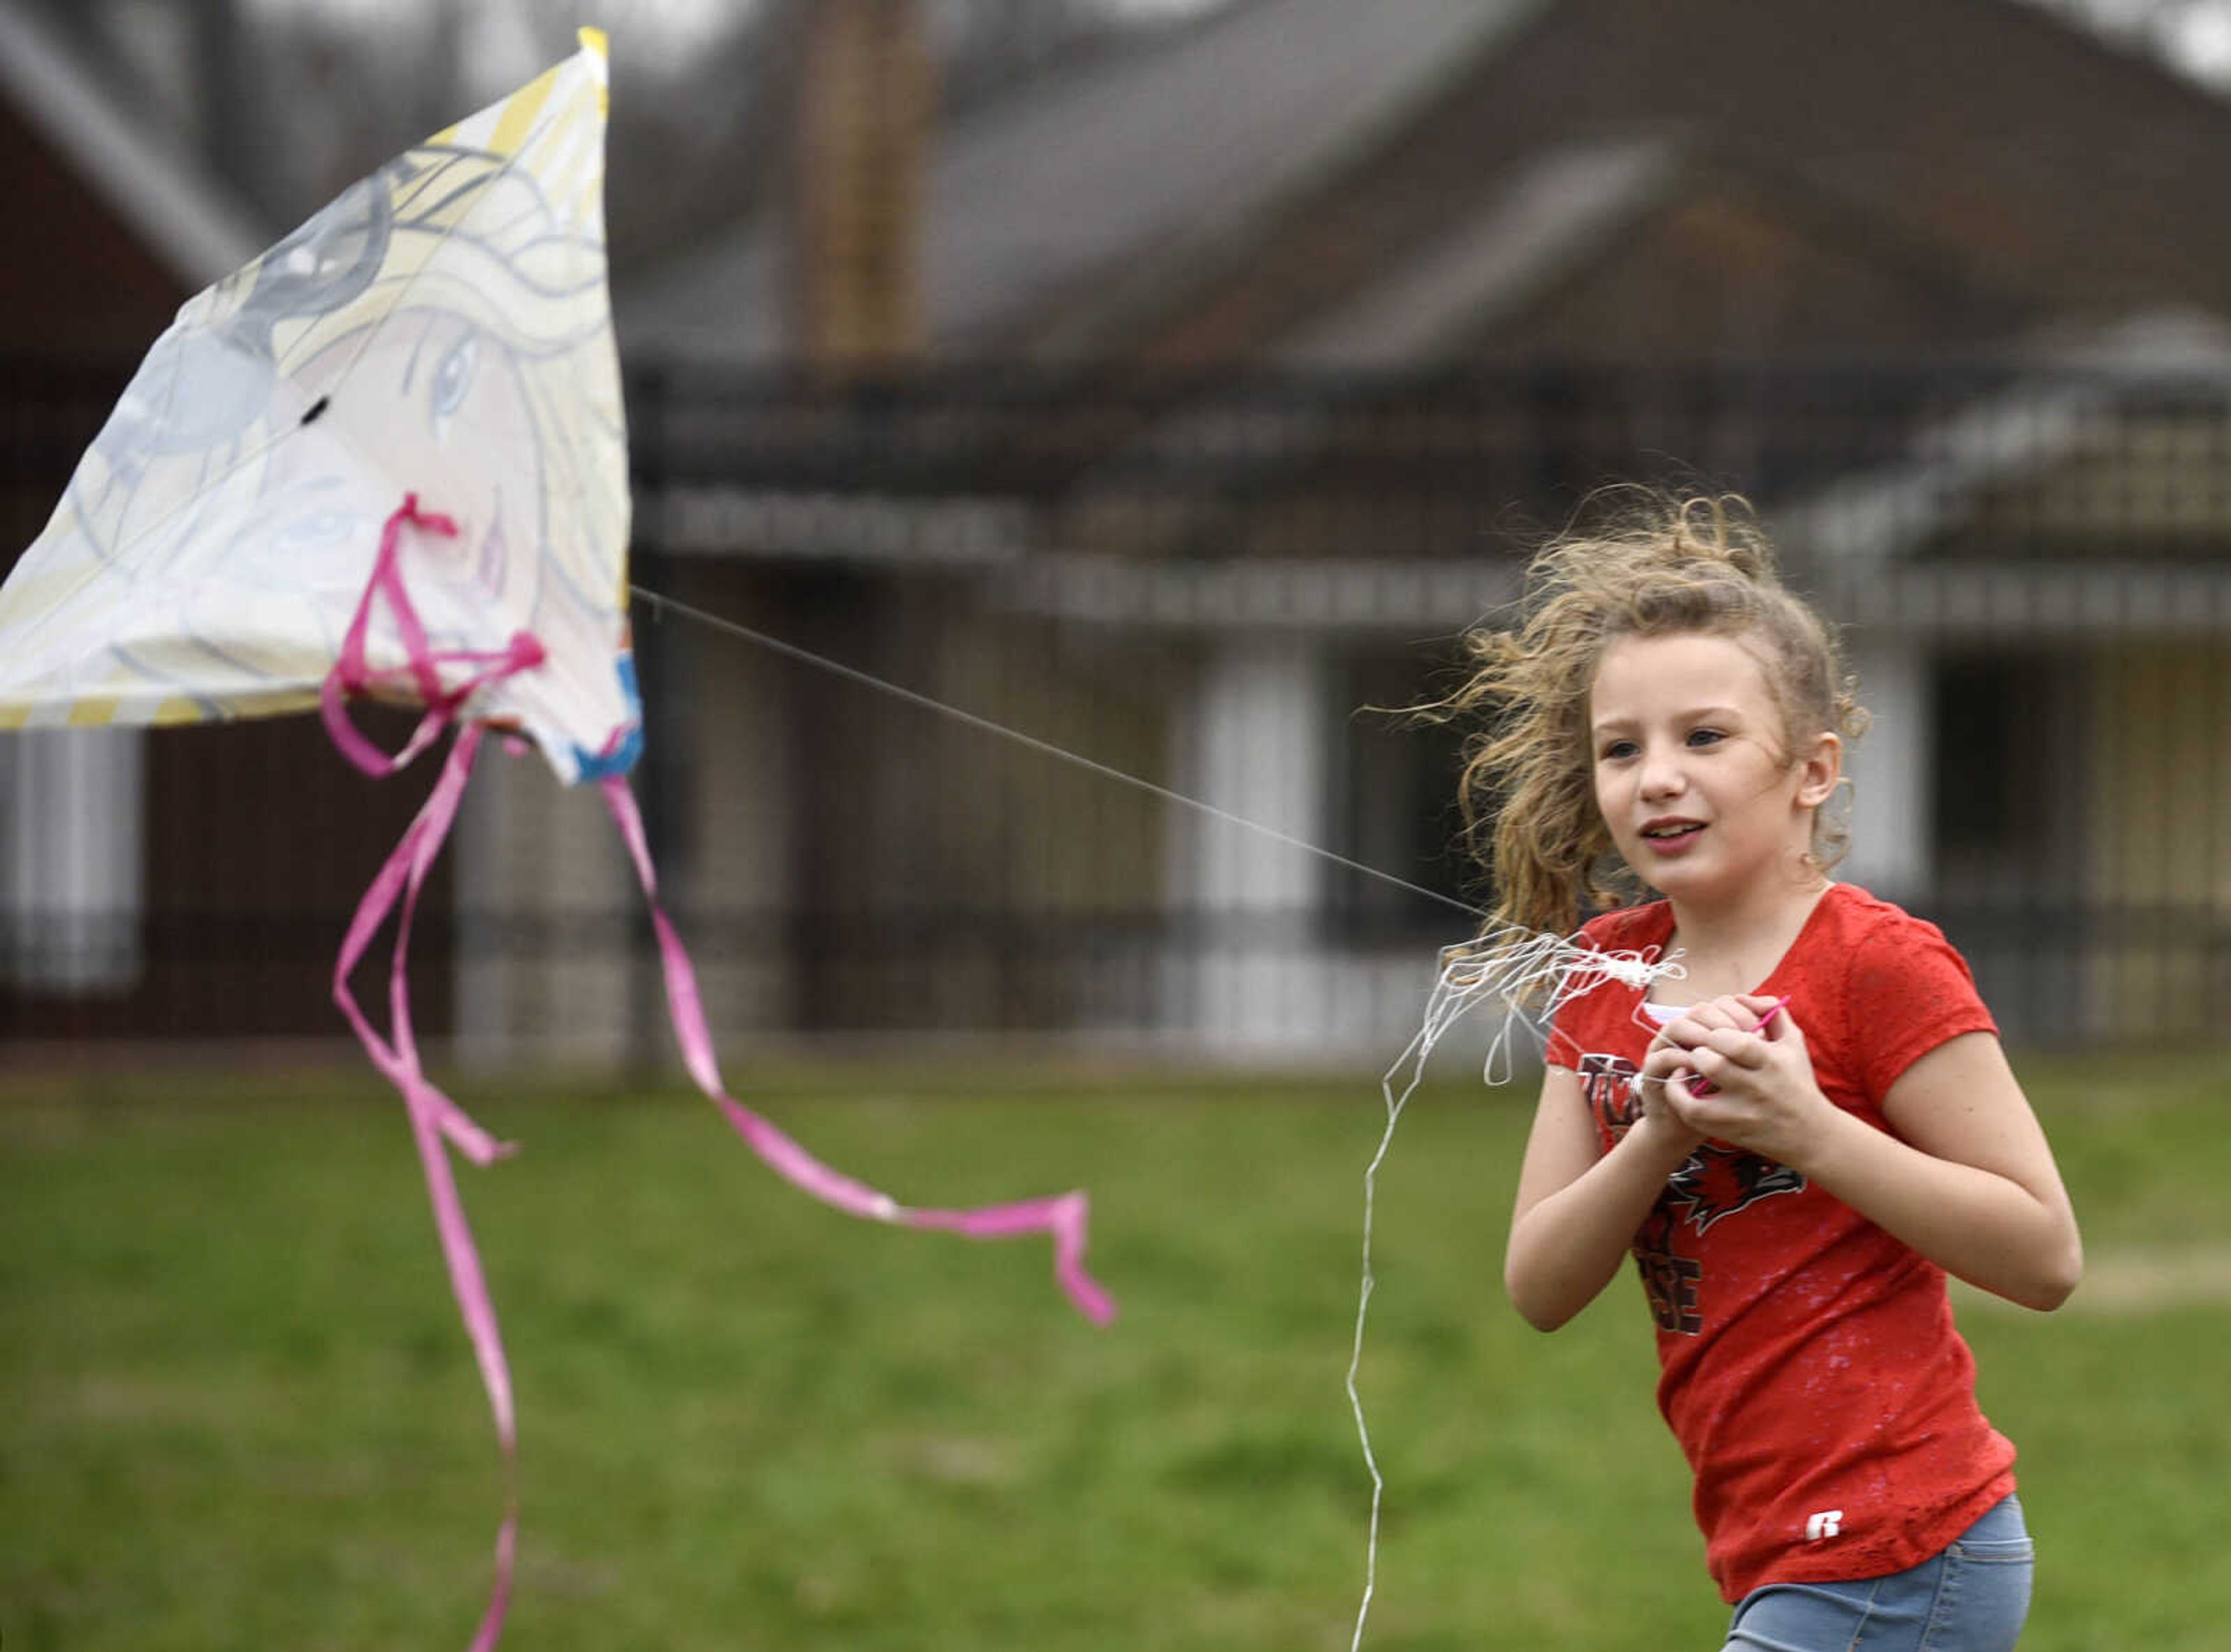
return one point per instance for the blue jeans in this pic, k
(1972, 1598)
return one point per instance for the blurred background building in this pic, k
(1170, 383)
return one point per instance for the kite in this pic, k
(388, 459)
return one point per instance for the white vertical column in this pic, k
(488, 977)
(1248, 972)
(72, 857)
(1889, 801)
(545, 896)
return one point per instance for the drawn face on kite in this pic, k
(440, 331)
(456, 379)
(444, 406)
(1694, 774)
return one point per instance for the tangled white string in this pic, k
(1531, 975)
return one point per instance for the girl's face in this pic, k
(1694, 770)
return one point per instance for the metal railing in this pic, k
(1062, 551)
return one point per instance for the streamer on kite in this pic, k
(1531, 976)
(246, 537)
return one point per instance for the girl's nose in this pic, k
(1661, 773)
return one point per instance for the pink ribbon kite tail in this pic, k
(438, 1123)
(434, 1117)
(1062, 1215)
(352, 674)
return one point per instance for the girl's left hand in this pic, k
(1763, 1096)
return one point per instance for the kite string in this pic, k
(661, 602)
(1512, 966)
(1506, 964)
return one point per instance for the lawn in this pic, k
(237, 1408)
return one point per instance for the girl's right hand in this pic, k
(1661, 1123)
(1659, 1119)
(1668, 1059)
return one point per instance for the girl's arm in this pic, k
(1967, 1179)
(1577, 1211)
(1972, 1184)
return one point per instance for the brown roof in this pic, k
(1994, 164)
(1554, 176)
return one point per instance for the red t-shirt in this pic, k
(1808, 1362)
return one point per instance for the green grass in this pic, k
(237, 1408)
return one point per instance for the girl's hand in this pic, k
(1668, 1057)
(1760, 1094)
(1659, 1121)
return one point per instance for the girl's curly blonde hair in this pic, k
(1658, 565)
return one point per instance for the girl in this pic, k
(1797, 1141)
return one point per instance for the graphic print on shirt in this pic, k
(1608, 1086)
(1718, 1182)
(1712, 1184)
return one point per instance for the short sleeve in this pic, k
(1576, 1031)
(1909, 991)
(1573, 1024)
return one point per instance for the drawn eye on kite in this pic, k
(452, 379)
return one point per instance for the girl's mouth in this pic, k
(1671, 839)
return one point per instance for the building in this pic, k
(1883, 292)
(1250, 358)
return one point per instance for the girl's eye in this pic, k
(1619, 749)
(1705, 737)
